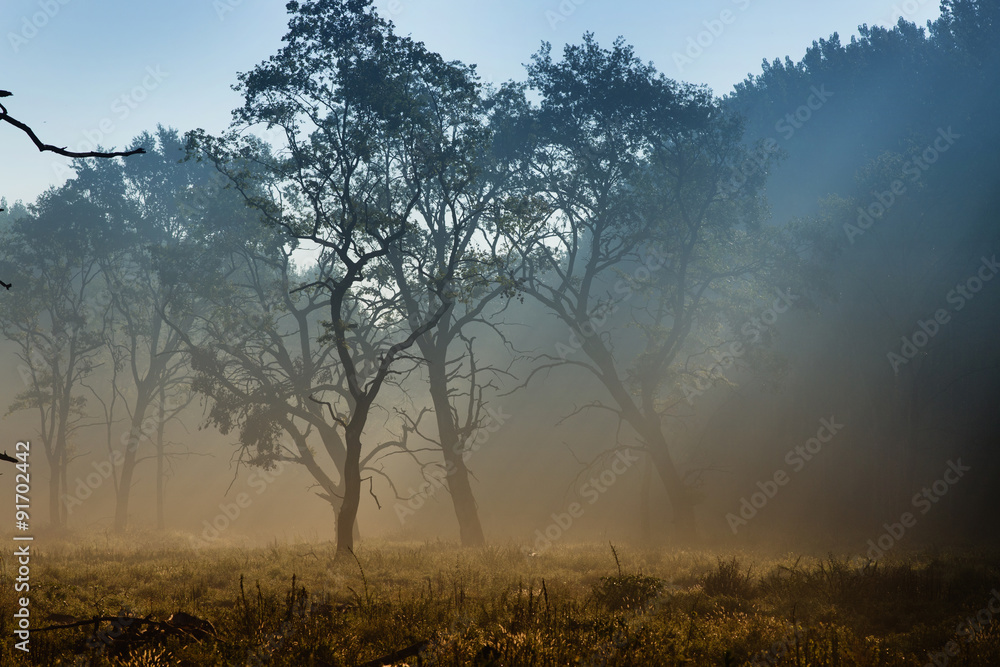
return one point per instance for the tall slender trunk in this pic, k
(645, 530)
(64, 485)
(56, 489)
(160, 462)
(61, 459)
(466, 511)
(129, 463)
(61, 463)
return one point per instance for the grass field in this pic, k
(436, 604)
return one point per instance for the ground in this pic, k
(436, 604)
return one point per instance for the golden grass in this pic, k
(574, 604)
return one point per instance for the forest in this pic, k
(591, 367)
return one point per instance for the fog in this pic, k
(395, 303)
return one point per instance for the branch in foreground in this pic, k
(4, 116)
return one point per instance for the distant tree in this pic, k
(654, 246)
(896, 92)
(56, 320)
(143, 207)
(51, 388)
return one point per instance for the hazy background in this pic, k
(101, 75)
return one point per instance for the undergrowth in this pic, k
(296, 605)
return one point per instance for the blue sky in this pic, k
(85, 72)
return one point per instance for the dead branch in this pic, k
(4, 116)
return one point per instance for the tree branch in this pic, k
(4, 116)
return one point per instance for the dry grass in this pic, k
(293, 605)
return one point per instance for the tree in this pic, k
(260, 350)
(351, 99)
(465, 209)
(900, 94)
(654, 235)
(51, 389)
(142, 205)
(55, 320)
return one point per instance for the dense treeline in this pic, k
(350, 298)
(900, 164)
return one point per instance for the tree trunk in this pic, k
(128, 465)
(645, 530)
(161, 523)
(348, 517)
(466, 511)
(680, 498)
(56, 490)
(64, 485)
(646, 423)
(61, 462)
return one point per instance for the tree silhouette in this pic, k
(6, 117)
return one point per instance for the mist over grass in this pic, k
(595, 603)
